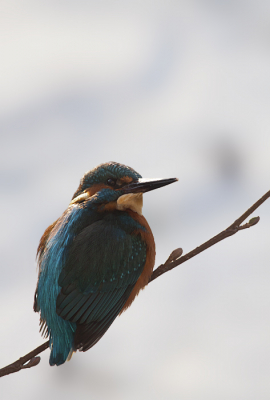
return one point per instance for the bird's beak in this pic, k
(145, 185)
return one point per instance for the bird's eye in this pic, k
(111, 182)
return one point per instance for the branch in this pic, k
(27, 361)
(175, 259)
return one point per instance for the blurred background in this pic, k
(170, 88)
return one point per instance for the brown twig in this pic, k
(175, 259)
(27, 361)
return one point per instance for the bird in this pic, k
(94, 259)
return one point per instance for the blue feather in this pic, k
(61, 332)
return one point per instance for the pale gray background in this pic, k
(170, 88)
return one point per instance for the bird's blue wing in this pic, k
(102, 267)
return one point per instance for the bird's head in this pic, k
(116, 186)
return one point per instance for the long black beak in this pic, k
(145, 185)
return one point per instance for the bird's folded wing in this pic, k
(101, 269)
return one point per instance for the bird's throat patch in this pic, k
(131, 201)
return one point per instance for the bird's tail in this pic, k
(61, 350)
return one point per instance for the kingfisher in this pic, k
(94, 259)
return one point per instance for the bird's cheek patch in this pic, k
(126, 179)
(89, 193)
(131, 201)
(80, 198)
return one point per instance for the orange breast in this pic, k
(148, 238)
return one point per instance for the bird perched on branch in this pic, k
(94, 259)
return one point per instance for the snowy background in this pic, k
(172, 89)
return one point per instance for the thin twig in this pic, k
(175, 259)
(27, 361)
(231, 230)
